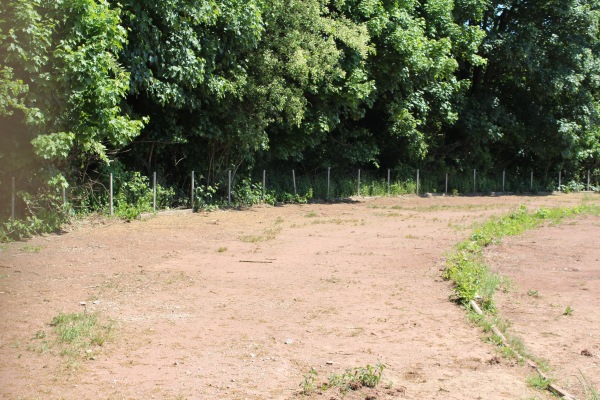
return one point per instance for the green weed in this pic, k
(589, 390)
(568, 311)
(31, 249)
(539, 382)
(74, 335)
(354, 379)
(308, 384)
(222, 249)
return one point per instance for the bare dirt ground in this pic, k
(555, 302)
(241, 304)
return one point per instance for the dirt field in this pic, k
(241, 304)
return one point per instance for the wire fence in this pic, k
(325, 184)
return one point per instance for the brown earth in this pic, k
(554, 304)
(241, 304)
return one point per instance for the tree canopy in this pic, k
(212, 85)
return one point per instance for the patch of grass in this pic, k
(473, 280)
(74, 336)
(308, 384)
(465, 266)
(311, 214)
(568, 311)
(533, 293)
(31, 249)
(339, 221)
(268, 234)
(353, 379)
(222, 249)
(539, 382)
(179, 277)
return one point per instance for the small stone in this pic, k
(329, 363)
(82, 303)
(289, 341)
(252, 355)
(96, 302)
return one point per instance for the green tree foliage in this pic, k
(189, 72)
(535, 101)
(61, 92)
(212, 85)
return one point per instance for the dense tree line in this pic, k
(212, 85)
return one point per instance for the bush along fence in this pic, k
(132, 194)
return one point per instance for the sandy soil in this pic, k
(242, 304)
(554, 304)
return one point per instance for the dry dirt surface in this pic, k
(554, 304)
(242, 304)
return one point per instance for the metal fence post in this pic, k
(359, 182)
(417, 190)
(588, 180)
(229, 188)
(111, 194)
(446, 189)
(328, 179)
(294, 179)
(154, 191)
(12, 200)
(264, 184)
(388, 182)
(531, 182)
(192, 192)
(559, 181)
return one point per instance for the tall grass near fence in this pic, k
(134, 193)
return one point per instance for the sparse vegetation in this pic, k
(589, 390)
(351, 379)
(75, 336)
(474, 281)
(539, 382)
(308, 384)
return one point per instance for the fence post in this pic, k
(328, 179)
(294, 179)
(192, 192)
(154, 191)
(110, 188)
(359, 182)
(64, 193)
(588, 181)
(446, 189)
(264, 184)
(503, 180)
(12, 200)
(417, 182)
(388, 181)
(475, 181)
(559, 180)
(531, 182)
(229, 188)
